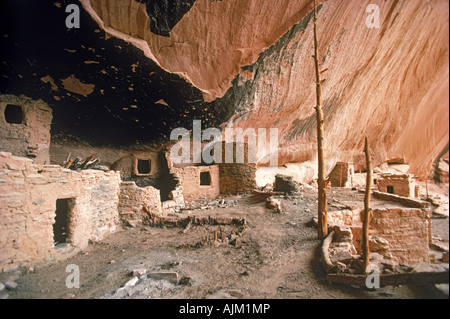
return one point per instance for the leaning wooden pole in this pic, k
(322, 205)
(366, 217)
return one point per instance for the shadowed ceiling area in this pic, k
(101, 89)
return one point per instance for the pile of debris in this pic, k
(204, 204)
(186, 221)
(344, 255)
(147, 284)
(90, 162)
(286, 184)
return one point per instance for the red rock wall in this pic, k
(390, 84)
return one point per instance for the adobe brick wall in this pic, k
(189, 179)
(31, 138)
(28, 194)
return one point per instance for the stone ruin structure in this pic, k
(397, 233)
(342, 175)
(398, 184)
(25, 127)
(49, 212)
(138, 72)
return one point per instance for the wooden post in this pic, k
(366, 217)
(68, 164)
(322, 200)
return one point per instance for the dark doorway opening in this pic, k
(61, 225)
(390, 189)
(13, 114)
(205, 179)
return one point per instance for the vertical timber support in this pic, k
(367, 217)
(322, 183)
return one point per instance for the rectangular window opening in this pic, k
(61, 225)
(390, 189)
(13, 114)
(205, 179)
(144, 167)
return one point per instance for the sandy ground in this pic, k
(275, 257)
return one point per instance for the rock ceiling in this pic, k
(136, 69)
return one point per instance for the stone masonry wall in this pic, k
(31, 137)
(28, 194)
(406, 230)
(342, 175)
(137, 202)
(127, 165)
(403, 185)
(237, 178)
(189, 179)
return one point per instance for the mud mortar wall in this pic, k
(28, 195)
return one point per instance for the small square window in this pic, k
(144, 167)
(13, 114)
(390, 189)
(205, 179)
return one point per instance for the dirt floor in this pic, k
(274, 257)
